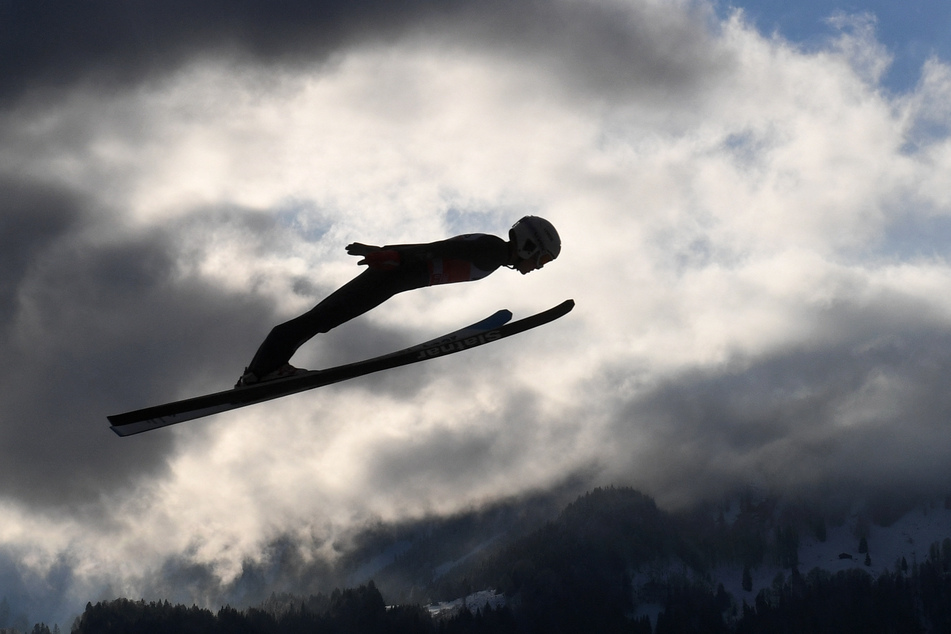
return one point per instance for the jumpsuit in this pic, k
(460, 259)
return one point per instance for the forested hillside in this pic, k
(610, 562)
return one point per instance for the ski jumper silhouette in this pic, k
(392, 269)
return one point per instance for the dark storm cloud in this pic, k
(32, 217)
(605, 46)
(92, 329)
(477, 449)
(865, 415)
(48, 44)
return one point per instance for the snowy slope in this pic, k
(909, 537)
(473, 602)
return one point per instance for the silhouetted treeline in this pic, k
(353, 611)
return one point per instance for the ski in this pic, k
(486, 331)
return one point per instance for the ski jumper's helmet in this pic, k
(535, 238)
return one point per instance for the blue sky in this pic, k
(912, 30)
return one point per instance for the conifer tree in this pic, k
(747, 579)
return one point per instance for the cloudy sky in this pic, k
(755, 212)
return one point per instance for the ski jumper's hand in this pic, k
(358, 248)
(375, 257)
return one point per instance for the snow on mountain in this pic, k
(473, 602)
(910, 537)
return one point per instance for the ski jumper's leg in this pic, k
(365, 292)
